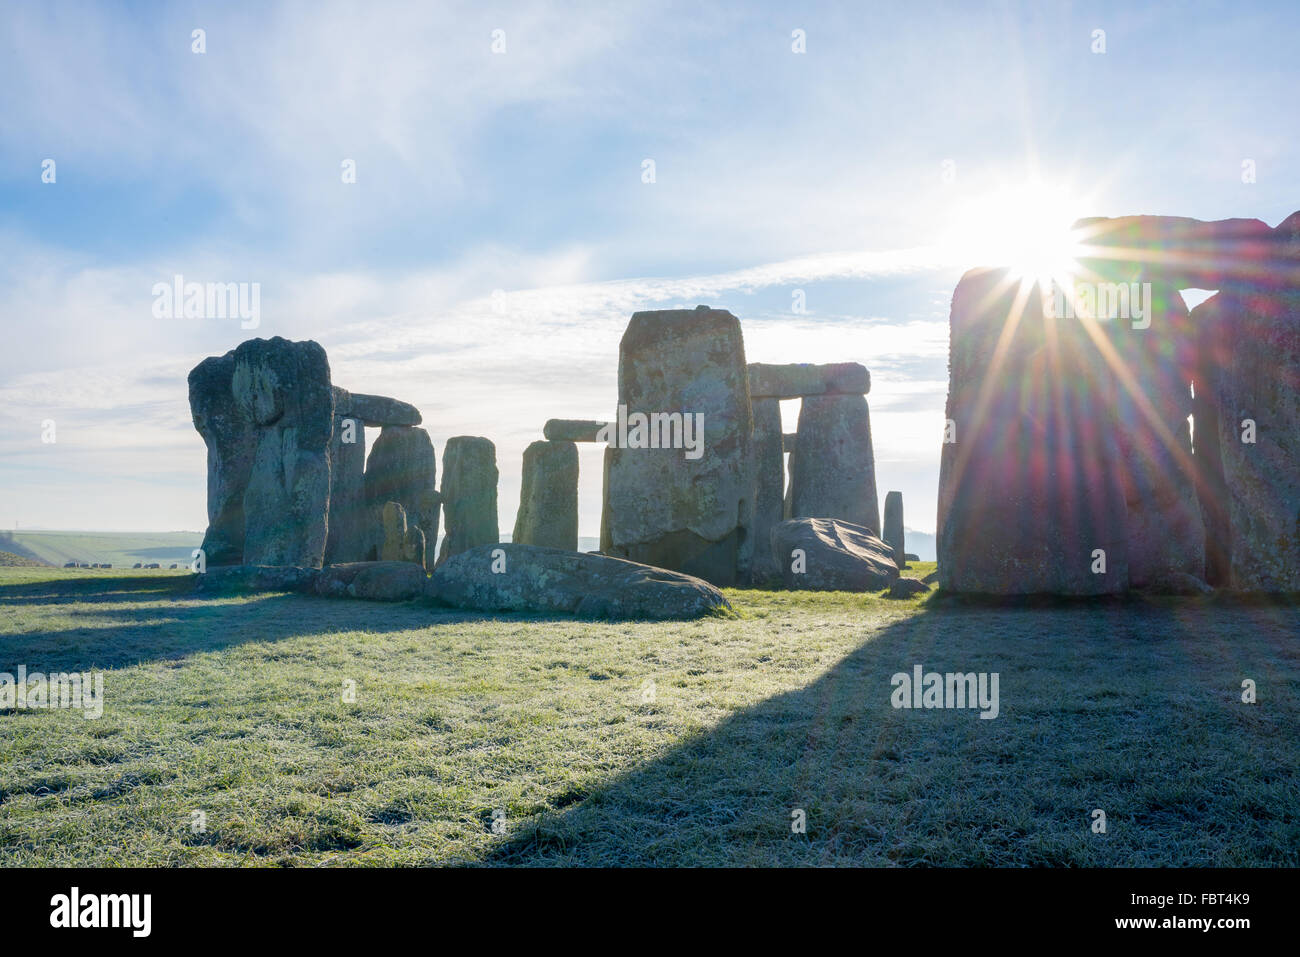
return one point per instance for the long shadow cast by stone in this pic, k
(146, 618)
(1130, 708)
(132, 619)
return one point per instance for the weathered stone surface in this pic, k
(832, 468)
(283, 388)
(1181, 252)
(402, 542)
(469, 494)
(1152, 403)
(232, 445)
(537, 579)
(402, 468)
(1178, 583)
(689, 514)
(348, 536)
(1254, 374)
(796, 380)
(1030, 488)
(893, 534)
(573, 430)
(769, 464)
(822, 554)
(377, 411)
(548, 496)
(373, 581)
(907, 587)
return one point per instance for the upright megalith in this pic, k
(348, 534)
(402, 468)
(402, 542)
(282, 389)
(1155, 361)
(893, 534)
(548, 496)
(1254, 376)
(769, 483)
(832, 466)
(469, 494)
(679, 489)
(1030, 498)
(231, 440)
(1239, 351)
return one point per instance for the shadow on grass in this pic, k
(1132, 707)
(138, 618)
(133, 619)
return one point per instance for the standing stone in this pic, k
(232, 445)
(1029, 491)
(832, 469)
(402, 542)
(283, 389)
(1166, 534)
(402, 468)
(1255, 379)
(893, 535)
(548, 497)
(348, 534)
(469, 494)
(769, 464)
(661, 507)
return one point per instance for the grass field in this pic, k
(120, 549)
(549, 732)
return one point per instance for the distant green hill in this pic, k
(121, 549)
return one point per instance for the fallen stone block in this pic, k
(509, 577)
(822, 554)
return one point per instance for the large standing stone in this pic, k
(663, 508)
(283, 388)
(893, 535)
(548, 496)
(402, 468)
(232, 445)
(469, 494)
(529, 578)
(1255, 378)
(832, 468)
(769, 464)
(822, 554)
(348, 536)
(403, 542)
(1029, 486)
(1166, 534)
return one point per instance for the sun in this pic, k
(1025, 228)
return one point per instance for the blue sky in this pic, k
(521, 172)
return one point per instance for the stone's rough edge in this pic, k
(573, 430)
(488, 597)
(796, 380)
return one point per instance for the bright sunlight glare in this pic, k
(1025, 228)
